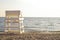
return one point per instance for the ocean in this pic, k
(42, 24)
(37, 24)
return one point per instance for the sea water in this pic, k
(42, 23)
(37, 24)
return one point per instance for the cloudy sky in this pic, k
(32, 8)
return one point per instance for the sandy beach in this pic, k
(31, 36)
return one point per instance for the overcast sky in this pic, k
(32, 8)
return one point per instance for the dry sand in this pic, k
(31, 36)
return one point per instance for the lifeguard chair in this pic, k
(14, 22)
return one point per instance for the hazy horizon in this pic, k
(32, 8)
